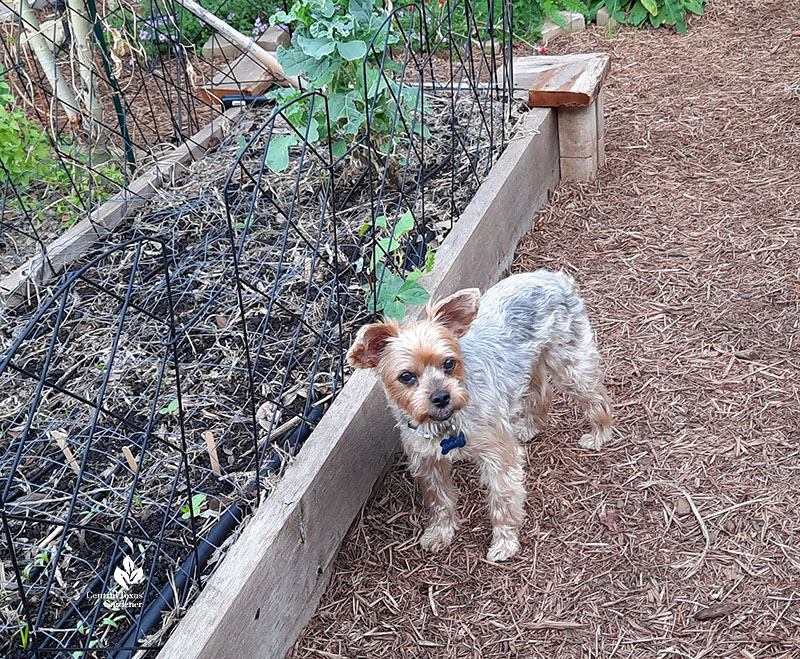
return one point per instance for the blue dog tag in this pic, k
(454, 441)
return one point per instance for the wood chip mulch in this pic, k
(681, 538)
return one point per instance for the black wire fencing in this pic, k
(158, 394)
(93, 94)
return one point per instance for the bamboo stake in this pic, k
(248, 45)
(62, 444)
(45, 56)
(126, 451)
(211, 445)
(81, 29)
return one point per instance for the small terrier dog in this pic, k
(473, 378)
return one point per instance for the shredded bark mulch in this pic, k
(681, 538)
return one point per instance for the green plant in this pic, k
(24, 636)
(24, 145)
(196, 504)
(159, 25)
(657, 12)
(389, 292)
(329, 47)
(171, 408)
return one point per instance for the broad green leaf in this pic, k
(278, 152)
(395, 309)
(414, 275)
(651, 6)
(390, 285)
(639, 13)
(352, 50)
(293, 61)
(413, 293)
(404, 224)
(339, 148)
(361, 11)
(386, 246)
(316, 48)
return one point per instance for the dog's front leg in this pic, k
(502, 472)
(440, 496)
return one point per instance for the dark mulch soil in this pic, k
(680, 539)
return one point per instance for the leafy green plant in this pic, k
(196, 504)
(28, 157)
(171, 408)
(393, 291)
(329, 44)
(24, 146)
(158, 25)
(24, 636)
(656, 12)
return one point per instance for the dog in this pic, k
(473, 379)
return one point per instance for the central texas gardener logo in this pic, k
(128, 575)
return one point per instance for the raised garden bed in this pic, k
(152, 402)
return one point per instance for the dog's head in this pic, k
(421, 364)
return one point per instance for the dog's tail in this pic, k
(569, 282)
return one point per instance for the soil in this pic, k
(680, 538)
(300, 302)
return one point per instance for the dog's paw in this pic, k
(594, 441)
(503, 547)
(437, 536)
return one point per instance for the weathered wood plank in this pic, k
(270, 583)
(74, 242)
(560, 80)
(244, 75)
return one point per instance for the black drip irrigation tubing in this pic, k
(226, 524)
(152, 614)
(292, 443)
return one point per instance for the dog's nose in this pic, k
(440, 398)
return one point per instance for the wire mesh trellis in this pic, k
(158, 394)
(98, 92)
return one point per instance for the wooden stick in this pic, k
(211, 444)
(44, 54)
(131, 460)
(62, 444)
(248, 45)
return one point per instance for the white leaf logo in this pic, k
(128, 575)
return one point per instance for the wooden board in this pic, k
(270, 583)
(244, 75)
(217, 45)
(77, 240)
(559, 80)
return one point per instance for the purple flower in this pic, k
(131, 61)
(231, 15)
(202, 23)
(162, 38)
(283, 27)
(144, 35)
(258, 20)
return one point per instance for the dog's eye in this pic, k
(449, 364)
(406, 377)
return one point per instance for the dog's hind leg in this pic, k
(534, 405)
(574, 366)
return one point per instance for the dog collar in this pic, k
(449, 441)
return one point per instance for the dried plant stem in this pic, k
(47, 60)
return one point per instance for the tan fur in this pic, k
(494, 421)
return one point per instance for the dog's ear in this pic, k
(369, 344)
(457, 311)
